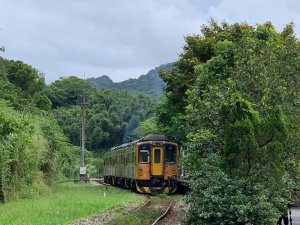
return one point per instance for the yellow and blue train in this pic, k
(148, 165)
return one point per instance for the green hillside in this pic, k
(151, 83)
(112, 116)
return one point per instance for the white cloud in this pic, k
(279, 12)
(115, 37)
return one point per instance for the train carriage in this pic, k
(147, 165)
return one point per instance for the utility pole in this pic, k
(2, 49)
(82, 170)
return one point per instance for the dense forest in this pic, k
(39, 127)
(112, 116)
(232, 101)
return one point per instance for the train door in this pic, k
(157, 161)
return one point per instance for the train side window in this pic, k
(170, 154)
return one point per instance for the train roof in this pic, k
(125, 145)
(155, 137)
(150, 137)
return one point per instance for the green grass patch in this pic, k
(139, 217)
(65, 204)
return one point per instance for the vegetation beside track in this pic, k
(65, 204)
(232, 102)
(147, 214)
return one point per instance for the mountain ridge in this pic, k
(150, 83)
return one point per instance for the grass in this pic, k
(65, 204)
(139, 217)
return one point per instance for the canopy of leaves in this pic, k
(34, 152)
(25, 77)
(233, 100)
(112, 116)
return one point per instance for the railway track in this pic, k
(99, 181)
(146, 204)
(164, 214)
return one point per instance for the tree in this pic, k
(112, 116)
(234, 90)
(25, 77)
(149, 126)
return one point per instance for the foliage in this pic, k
(219, 199)
(66, 203)
(25, 77)
(232, 99)
(112, 116)
(149, 126)
(66, 91)
(33, 152)
(21, 86)
(33, 149)
(37, 122)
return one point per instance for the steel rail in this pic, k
(146, 204)
(164, 214)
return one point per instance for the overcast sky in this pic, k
(120, 38)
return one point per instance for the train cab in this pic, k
(157, 165)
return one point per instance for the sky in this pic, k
(119, 38)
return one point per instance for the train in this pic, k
(149, 165)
